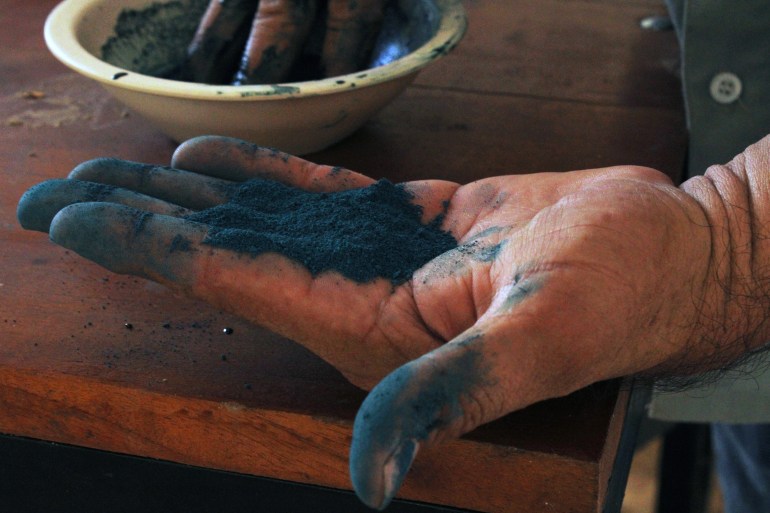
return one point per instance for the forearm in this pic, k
(735, 306)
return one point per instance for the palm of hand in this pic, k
(559, 280)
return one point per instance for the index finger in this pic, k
(237, 160)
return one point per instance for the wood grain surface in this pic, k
(537, 85)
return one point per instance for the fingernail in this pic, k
(395, 469)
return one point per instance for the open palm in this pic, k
(558, 281)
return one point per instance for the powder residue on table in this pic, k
(363, 234)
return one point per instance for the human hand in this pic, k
(559, 281)
(264, 39)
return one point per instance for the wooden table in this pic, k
(536, 85)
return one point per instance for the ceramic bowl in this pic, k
(297, 117)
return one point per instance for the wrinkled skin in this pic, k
(562, 280)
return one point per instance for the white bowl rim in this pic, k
(64, 45)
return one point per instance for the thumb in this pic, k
(516, 354)
(442, 394)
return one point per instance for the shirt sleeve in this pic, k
(726, 76)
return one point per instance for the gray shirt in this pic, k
(726, 76)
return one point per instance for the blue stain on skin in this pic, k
(43, 201)
(180, 243)
(520, 290)
(128, 241)
(486, 233)
(78, 226)
(481, 250)
(460, 259)
(489, 253)
(140, 221)
(402, 411)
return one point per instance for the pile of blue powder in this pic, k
(364, 234)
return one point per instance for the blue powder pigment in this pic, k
(364, 234)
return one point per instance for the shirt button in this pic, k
(725, 87)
